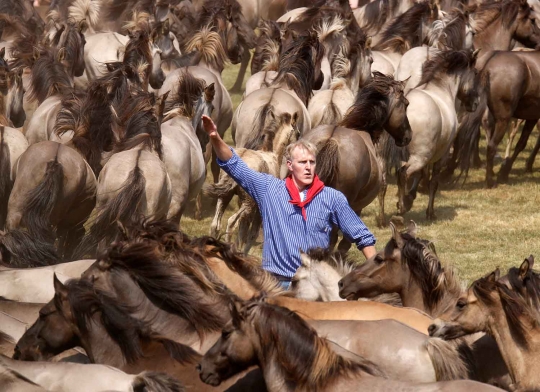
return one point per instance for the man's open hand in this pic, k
(209, 127)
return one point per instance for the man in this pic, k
(298, 212)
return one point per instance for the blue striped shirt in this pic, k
(285, 230)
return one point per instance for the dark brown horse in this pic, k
(267, 47)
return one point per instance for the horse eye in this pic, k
(461, 305)
(225, 334)
(379, 259)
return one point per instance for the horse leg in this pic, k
(237, 88)
(433, 186)
(344, 246)
(198, 207)
(333, 238)
(214, 167)
(381, 220)
(254, 231)
(407, 196)
(511, 136)
(232, 223)
(504, 172)
(221, 205)
(494, 140)
(532, 157)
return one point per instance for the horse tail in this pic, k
(390, 153)
(331, 114)
(468, 134)
(5, 176)
(257, 138)
(221, 189)
(36, 215)
(156, 382)
(328, 161)
(88, 10)
(26, 251)
(446, 360)
(122, 208)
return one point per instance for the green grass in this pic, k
(477, 229)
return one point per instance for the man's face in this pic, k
(302, 166)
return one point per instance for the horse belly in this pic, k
(528, 108)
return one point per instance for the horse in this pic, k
(453, 32)
(490, 306)
(277, 134)
(134, 180)
(317, 277)
(28, 285)
(205, 59)
(181, 131)
(504, 100)
(379, 106)
(292, 356)
(267, 47)
(90, 378)
(289, 92)
(83, 315)
(328, 107)
(408, 30)
(446, 76)
(26, 12)
(12, 381)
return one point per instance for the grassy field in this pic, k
(477, 229)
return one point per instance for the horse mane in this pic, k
(20, 8)
(135, 123)
(405, 31)
(85, 10)
(443, 63)
(486, 13)
(518, 314)
(137, 48)
(370, 109)
(69, 38)
(425, 267)
(267, 48)
(48, 77)
(449, 31)
(20, 250)
(13, 24)
(305, 358)
(184, 100)
(267, 127)
(85, 300)
(336, 260)
(377, 12)
(22, 51)
(208, 45)
(174, 292)
(125, 9)
(140, 21)
(296, 66)
(530, 285)
(247, 267)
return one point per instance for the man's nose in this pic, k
(308, 165)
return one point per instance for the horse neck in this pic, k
(411, 294)
(99, 346)
(232, 280)
(494, 37)
(522, 363)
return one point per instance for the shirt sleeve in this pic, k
(352, 227)
(253, 182)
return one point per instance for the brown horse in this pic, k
(292, 357)
(379, 106)
(490, 306)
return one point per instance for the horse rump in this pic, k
(156, 382)
(122, 208)
(36, 216)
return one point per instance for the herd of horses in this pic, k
(102, 148)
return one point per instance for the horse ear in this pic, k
(531, 261)
(83, 26)
(59, 288)
(104, 264)
(294, 119)
(209, 93)
(304, 258)
(61, 55)
(396, 235)
(367, 45)
(524, 268)
(35, 53)
(2, 52)
(166, 27)
(236, 313)
(412, 228)
(494, 276)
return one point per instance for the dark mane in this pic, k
(186, 96)
(426, 268)
(267, 48)
(306, 359)
(12, 24)
(138, 50)
(297, 66)
(450, 32)
(527, 286)
(334, 259)
(269, 125)
(508, 10)
(85, 301)
(447, 62)
(518, 314)
(405, 32)
(210, 49)
(174, 292)
(135, 123)
(48, 77)
(377, 12)
(19, 250)
(23, 9)
(22, 51)
(370, 109)
(72, 41)
(247, 267)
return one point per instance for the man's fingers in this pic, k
(208, 124)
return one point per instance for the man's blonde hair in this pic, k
(304, 145)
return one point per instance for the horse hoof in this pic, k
(431, 216)
(528, 168)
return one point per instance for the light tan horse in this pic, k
(490, 306)
(292, 356)
(278, 134)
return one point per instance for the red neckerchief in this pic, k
(316, 186)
